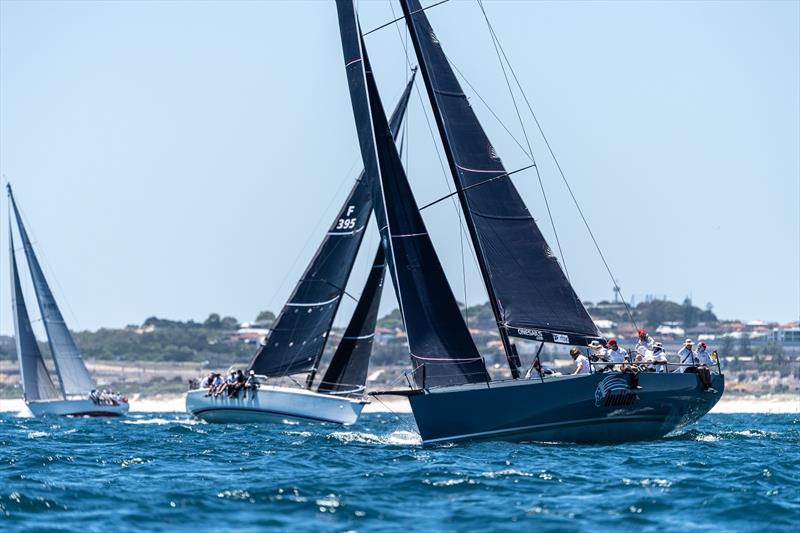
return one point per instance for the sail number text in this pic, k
(346, 222)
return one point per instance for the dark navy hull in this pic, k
(595, 408)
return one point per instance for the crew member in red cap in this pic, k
(645, 343)
(614, 353)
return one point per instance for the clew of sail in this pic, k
(72, 373)
(36, 381)
(347, 371)
(531, 296)
(297, 339)
(442, 351)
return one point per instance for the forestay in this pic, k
(532, 296)
(347, 371)
(36, 381)
(441, 349)
(72, 372)
(297, 339)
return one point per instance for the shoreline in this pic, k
(733, 404)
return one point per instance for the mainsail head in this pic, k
(531, 296)
(73, 375)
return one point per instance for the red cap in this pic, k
(612, 342)
(703, 344)
(642, 333)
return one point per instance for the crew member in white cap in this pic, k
(598, 355)
(686, 356)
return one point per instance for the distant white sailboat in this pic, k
(75, 384)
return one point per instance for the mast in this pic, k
(398, 115)
(511, 356)
(441, 349)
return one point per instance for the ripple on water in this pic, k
(157, 472)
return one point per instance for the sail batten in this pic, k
(74, 377)
(297, 339)
(441, 349)
(527, 288)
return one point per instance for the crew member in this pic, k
(614, 353)
(598, 355)
(581, 362)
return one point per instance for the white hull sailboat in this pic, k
(71, 395)
(75, 408)
(296, 343)
(275, 404)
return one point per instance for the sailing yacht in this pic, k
(75, 384)
(296, 342)
(453, 397)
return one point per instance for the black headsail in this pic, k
(347, 371)
(72, 372)
(36, 381)
(297, 339)
(530, 295)
(441, 349)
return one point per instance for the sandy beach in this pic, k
(770, 404)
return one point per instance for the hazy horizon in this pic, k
(174, 159)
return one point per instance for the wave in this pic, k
(396, 438)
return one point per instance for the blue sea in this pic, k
(157, 472)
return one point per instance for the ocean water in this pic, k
(156, 472)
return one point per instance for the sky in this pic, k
(182, 158)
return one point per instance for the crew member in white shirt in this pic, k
(598, 355)
(704, 362)
(686, 356)
(702, 355)
(614, 353)
(581, 362)
(645, 341)
(659, 358)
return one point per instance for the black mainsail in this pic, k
(441, 349)
(297, 339)
(73, 375)
(530, 295)
(347, 371)
(36, 381)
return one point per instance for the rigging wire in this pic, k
(527, 140)
(558, 166)
(398, 19)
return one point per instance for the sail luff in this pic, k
(297, 339)
(347, 371)
(73, 375)
(36, 381)
(441, 349)
(530, 295)
(512, 359)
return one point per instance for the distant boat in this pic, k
(298, 336)
(454, 397)
(75, 384)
